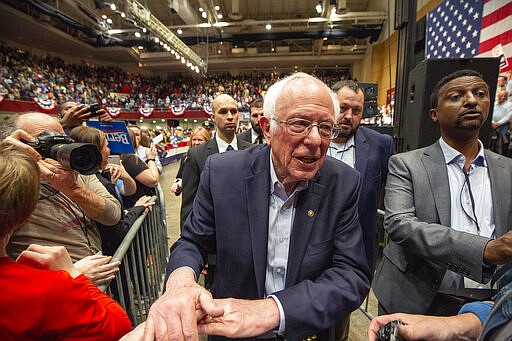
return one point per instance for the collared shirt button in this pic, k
(279, 270)
(281, 240)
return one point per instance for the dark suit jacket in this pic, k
(422, 245)
(195, 160)
(373, 150)
(327, 276)
(246, 135)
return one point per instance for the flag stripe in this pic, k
(507, 50)
(503, 39)
(497, 15)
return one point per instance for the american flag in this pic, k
(468, 28)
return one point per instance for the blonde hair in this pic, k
(19, 187)
(204, 133)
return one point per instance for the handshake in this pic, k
(186, 310)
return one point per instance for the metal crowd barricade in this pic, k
(143, 255)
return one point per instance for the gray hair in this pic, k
(274, 92)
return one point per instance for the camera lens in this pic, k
(84, 158)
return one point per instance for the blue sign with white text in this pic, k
(117, 136)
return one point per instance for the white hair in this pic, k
(274, 92)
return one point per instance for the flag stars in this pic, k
(459, 18)
(475, 16)
(464, 22)
(463, 39)
(475, 33)
(457, 50)
(468, 45)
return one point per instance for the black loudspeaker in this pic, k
(416, 127)
(370, 90)
(370, 109)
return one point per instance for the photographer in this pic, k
(68, 207)
(72, 114)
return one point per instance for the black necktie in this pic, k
(259, 139)
(230, 147)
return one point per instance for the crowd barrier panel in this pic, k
(143, 254)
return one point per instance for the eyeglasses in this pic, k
(301, 127)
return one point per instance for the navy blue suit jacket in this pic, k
(192, 168)
(373, 151)
(327, 275)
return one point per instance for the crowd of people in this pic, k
(24, 76)
(281, 218)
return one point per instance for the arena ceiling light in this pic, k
(147, 19)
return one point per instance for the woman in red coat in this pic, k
(43, 295)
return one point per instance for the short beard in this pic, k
(345, 133)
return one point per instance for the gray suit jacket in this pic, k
(422, 246)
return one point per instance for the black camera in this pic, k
(85, 158)
(389, 332)
(93, 109)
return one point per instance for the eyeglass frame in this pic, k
(333, 134)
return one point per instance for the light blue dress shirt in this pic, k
(463, 217)
(280, 220)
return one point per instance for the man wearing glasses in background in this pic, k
(282, 220)
(447, 209)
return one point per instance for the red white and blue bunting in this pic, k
(178, 110)
(113, 111)
(208, 109)
(45, 104)
(146, 112)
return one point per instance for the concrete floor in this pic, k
(359, 321)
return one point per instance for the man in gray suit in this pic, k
(447, 209)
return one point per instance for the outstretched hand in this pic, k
(175, 314)
(499, 250)
(430, 328)
(241, 318)
(97, 268)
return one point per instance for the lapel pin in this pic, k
(311, 213)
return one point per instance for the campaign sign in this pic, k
(117, 136)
